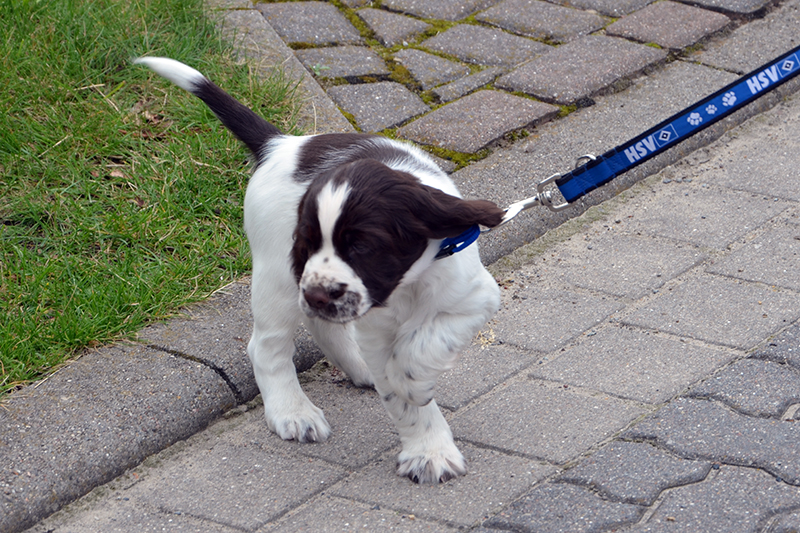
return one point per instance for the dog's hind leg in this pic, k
(337, 342)
(288, 410)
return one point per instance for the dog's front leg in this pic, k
(276, 316)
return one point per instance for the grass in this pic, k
(121, 197)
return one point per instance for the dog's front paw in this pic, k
(303, 425)
(433, 467)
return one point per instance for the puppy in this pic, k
(346, 233)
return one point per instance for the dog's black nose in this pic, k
(319, 296)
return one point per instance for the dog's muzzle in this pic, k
(330, 301)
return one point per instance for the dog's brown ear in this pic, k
(444, 215)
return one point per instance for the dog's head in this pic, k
(362, 226)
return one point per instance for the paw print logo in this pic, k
(728, 99)
(695, 119)
(711, 109)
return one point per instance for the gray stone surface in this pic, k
(669, 24)
(744, 7)
(390, 28)
(786, 522)
(633, 364)
(439, 9)
(342, 61)
(215, 332)
(95, 418)
(491, 115)
(748, 496)
(623, 264)
(430, 70)
(202, 479)
(494, 480)
(560, 315)
(755, 43)
(720, 310)
(701, 429)
(634, 473)
(328, 514)
(772, 258)
(753, 387)
(611, 8)
(486, 46)
(483, 366)
(542, 20)
(377, 106)
(783, 348)
(558, 507)
(543, 420)
(467, 84)
(700, 214)
(581, 68)
(318, 23)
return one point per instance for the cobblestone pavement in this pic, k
(643, 373)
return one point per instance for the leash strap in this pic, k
(679, 127)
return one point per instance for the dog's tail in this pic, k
(250, 128)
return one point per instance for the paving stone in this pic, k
(559, 507)
(355, 3)
(543, 420)
(361, 428)
(720, 310)
(736, 499)
(486, 46)
(611, 8)
(342, 62)
(581, 68)
(390, 28)
(624, 265)
(81, 428)
(216, 332)
(467, 84)
(753, 387)
(542, 20)
(757, 42)
(483, 366)
(327, 513)
(240, 486)
(377, 106)
(702, 429)
(772, 258)
(633, 364)
(669, 24)
(765, 168)
(121, 515)
(702, 215)
(493, 480)
(560, 315)
(318, 23)
(439, 9)
(744, 7)
(428, 69)
(473, 122)
(783, 348)
(788, 522)
(634, 473)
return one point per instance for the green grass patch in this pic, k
(121, 197)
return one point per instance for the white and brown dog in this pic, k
(344, 231)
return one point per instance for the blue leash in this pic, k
(601, 169)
